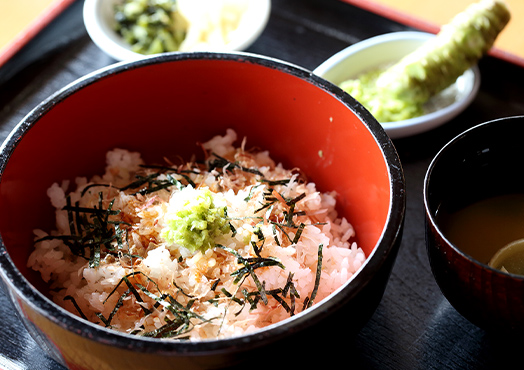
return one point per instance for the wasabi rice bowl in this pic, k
(194, 250)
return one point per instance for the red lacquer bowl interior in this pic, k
(164, 109)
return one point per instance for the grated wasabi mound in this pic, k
(193, 221)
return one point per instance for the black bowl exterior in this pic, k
(481, 162)
(80, 345)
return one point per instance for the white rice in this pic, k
(202, 278)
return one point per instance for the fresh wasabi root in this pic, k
(400, 91)
(441, 60)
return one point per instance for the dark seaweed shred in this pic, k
(182, 173)
(73, 301)
(150, 183)
(224, 164)
(250, 265)
(179, 325)
(308, 302)
(90, 229)
(275, 182)
(119, 303)
(275, 235)
(257, 246)
(298, 233)
(215, 284)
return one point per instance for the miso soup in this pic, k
(480, 229)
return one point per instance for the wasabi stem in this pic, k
(441, 60)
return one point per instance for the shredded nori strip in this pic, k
(281, 227)
(87, 234)
(215, 284)
(299, 233)
(73, 301)
(250, 264)
(98, 212)
(296, 199)
(182, 290)
(258, 232)
(220, 162)
(181, 323)
(248, 198)
(173, 328)
(150, 181)
(275, 236)
(118, 304)
(266, 205)
(170, 169)
(84, 191)
(276, 182)
(131, 289)
(142, 180)
(278, 294)
(158, 185)
(231, 227)
(309, 302)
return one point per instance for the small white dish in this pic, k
(100, 24)
(389, 48)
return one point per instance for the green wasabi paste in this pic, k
(194, 220)
(383, 105)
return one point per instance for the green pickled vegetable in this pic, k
(150, 26)
(400, 91)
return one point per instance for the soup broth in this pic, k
(483, 227)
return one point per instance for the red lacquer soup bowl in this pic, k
(162, 106)
(471, 193)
